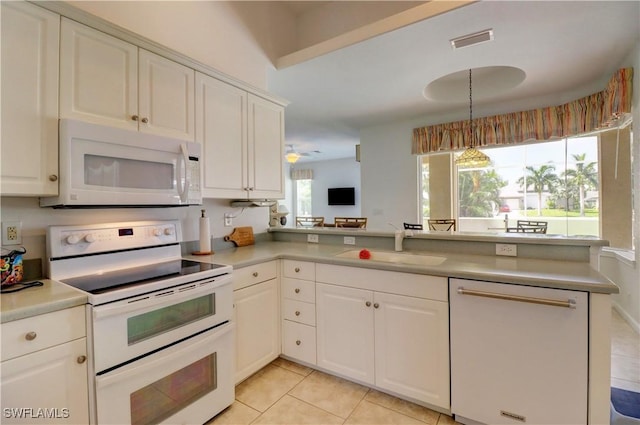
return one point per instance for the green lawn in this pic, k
(560, 213)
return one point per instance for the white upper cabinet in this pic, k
(29, 135)
(108, 81)
(243, 138)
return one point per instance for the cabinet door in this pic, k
(166, 97)
(221, 112)
(345, 331)
(412, 347)
(29, 139)
(98, 77)
(266, 148)
(54, 380)
(257, 327)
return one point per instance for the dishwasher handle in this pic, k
(570, 303)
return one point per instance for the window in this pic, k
(303, 197)
(556, 182)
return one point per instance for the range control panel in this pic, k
(64, 241)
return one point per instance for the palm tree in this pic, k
(584, 177)
(479, 192)
(539, 179)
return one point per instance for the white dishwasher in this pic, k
(519, 354)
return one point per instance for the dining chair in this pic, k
(309, 221)
(529, 226)
(351, 222)
(409, 226)
(442, 224)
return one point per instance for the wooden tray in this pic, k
(241, 236)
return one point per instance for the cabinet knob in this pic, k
(368, 303)
(145, 120)
(297, 313)
(255, 274)
(135, 117)
(297, 269)
(298, 342)
(30, 336)
(376, 305)
(53, 178)
(81, 359)
(297, 290)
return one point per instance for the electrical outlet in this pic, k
(510, 250)
(349, 240)
(11, 232)
(312, 238)
(228, 220)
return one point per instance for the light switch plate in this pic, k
(312, 238)
(349, 240)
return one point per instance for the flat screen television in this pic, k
(342, 196)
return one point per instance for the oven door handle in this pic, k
(170, 296)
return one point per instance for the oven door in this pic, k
(126, 329)
(187, 383)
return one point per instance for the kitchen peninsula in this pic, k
(337, 313)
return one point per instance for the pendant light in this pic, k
(471, 157)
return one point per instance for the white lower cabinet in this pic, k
(517, 356)
(43, 376)
(396, 342)
(257, 315)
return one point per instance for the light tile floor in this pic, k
(288, 393)
(625, 354)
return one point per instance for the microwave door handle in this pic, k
(184, 191)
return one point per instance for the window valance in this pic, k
(301, 174)
(593, 112)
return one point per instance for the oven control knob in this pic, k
(168, 231)
(72, 239)
(90, 237)
(157, 232)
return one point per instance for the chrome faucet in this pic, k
(506, 221)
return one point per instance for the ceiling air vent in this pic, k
(471, 39)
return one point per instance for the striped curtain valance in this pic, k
(593, 112)
(301, 174)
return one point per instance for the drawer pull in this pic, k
(556, 303)
(376, 305)
(297, 313)
(81, 359)
(297, 269)
(298, 342)
(145, 120)
(297, 290)
(368, 303)
(255, 274)
(135, 117)
(30, 336)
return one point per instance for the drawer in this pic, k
(300, 290)
(298, 311)
(299, 269)
(250, 275)
(299, 341)
(35, 333)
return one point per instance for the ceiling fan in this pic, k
(292, 155)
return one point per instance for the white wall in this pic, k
(389, 174)
(326, 174)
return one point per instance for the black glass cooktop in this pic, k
(100, 283)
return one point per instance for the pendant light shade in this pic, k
(472, 157)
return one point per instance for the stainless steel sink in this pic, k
(395, 257)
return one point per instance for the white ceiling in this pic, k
(565, 49)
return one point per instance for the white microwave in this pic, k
(112, 167)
